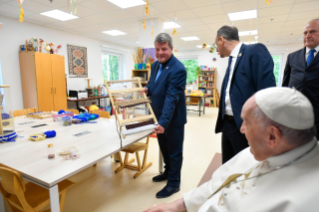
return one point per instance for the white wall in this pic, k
(206, 58)
(15, 33)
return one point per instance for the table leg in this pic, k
(77, 105)
(99, 100)
(204, 105)
(1, 203)
(199, 110)
(160, 162)
(54, 199)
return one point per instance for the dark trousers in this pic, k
(171, 145)
(233, 141)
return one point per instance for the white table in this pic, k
(31, 158)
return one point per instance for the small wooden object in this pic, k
(37, 137)
(40, 115)
(88, 81)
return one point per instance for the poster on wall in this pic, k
(150, 52)
(77, 58)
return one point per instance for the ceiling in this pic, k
(282, 22)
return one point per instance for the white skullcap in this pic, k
(286, 106)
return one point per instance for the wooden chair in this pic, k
(27, 197)
(135, 148)
(75, 111)
(24, 112)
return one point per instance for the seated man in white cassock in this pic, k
(278, 172)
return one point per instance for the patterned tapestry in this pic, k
(78, 65)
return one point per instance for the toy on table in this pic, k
(66, 121)
(39, 115)
(93, 107)
(50, 134)
(7, 127)
(51, 151)
(84, 117)
(37, 137)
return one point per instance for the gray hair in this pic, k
(163, 38)
(293, 136)
(230, 33)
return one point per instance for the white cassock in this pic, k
(294, 188)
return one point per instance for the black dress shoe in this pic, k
(160, 178)
(166, 192)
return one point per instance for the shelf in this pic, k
(141, 70)
(145, 82)
(206, 80)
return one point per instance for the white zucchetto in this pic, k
(286, 106)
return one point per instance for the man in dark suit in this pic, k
(302, 68)
(250, 69)
(166, 89)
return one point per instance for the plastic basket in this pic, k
(58, 117)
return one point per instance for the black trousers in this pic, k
(171, 145)
(317, 132)
(233, 141)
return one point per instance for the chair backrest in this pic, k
(75, 111)
(24, 112)
(103, 114)
(11, 183)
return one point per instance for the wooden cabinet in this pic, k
(43, 81)
(144, 75)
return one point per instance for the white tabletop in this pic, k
(31, 158)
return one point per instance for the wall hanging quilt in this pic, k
(78, 64)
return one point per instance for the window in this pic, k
(277, 58)
(111, 66)
(190, 66)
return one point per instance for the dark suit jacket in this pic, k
(253, 71)
(303, 78)
(168, 93)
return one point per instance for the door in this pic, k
(59, 82)
(44, 81)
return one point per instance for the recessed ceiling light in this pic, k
(171, 25)
(60, 15)
(251, 42)
(242, 15)
(114, 32)
(137, 42)
(246, 33)
(127, 3)
(201, 46)
(190, 38)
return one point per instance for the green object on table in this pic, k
(136, 66)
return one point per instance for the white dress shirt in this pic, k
(289, 189)
(308, 50)
(234, 54)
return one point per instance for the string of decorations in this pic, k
(21, 11)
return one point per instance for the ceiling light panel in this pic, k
(60, 15)
(190, 38)
(247, 33)
(127, 3)
(171, 25)
(242, 15)
(114, 32)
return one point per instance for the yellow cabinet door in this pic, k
(59, 84)
(44, 81)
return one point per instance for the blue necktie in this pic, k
(159, 72)
(310, 56)
(225, 85)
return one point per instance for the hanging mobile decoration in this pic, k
(147, 8)
(144, 26)
(267, 2)
(152, 32)
(174, 30)
(204, 45)
(74, 7)
(0, 25)
(212, 49)
(21, 11)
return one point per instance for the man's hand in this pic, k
(176, 206)
(145, 90)
(159, 129)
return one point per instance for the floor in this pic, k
(99, 189)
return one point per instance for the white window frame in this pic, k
(121, 74)
(280, 68)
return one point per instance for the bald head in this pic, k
(311, 34)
